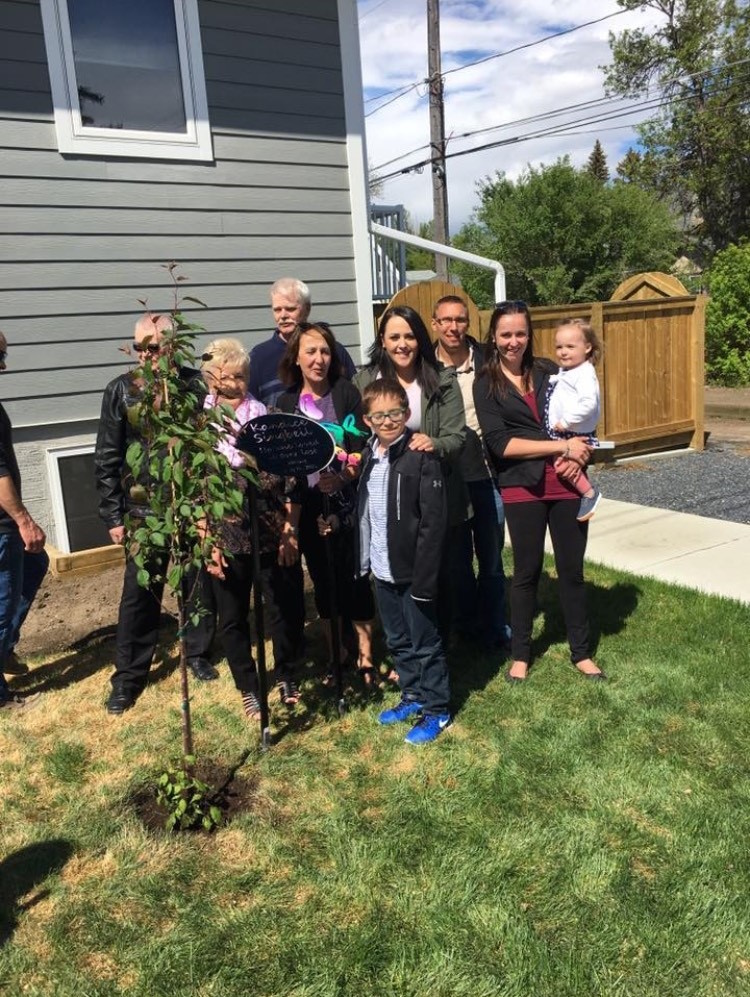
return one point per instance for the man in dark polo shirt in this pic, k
(23, 560)
(290, 304)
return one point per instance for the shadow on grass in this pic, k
(471, 669)
(608, 611)
(319, 701)
(20, 873)
(94, 653)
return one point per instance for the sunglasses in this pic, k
(152, 348)
(394, 414)
(3, 356)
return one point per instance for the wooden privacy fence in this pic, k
(651, 371)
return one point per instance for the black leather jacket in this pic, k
(119, 493)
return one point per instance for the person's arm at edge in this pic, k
(10, 501)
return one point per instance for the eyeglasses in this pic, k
(449, 319)
(394, 414)
(3, 356)
(152, 348)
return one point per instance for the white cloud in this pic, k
(560, 72)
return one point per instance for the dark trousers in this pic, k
(283, 606)
(138, 626)
(479, 601)
(232, 599)
(284, 612)
(353, 596)
(410, 628)
(527, 525)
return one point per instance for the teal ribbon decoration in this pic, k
(337, 431)
(350, 426)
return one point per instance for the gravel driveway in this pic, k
(714, 482)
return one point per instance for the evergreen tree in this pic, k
(597, 163)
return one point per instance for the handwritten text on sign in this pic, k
(287, 444)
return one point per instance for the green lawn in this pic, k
(565, 838)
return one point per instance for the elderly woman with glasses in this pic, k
(225, 368)
(535, 475)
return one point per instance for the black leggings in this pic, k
(527, 525)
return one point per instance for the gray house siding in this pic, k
(82, 238)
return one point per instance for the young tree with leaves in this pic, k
(187, 484)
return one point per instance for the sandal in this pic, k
(367, 673)
(251, 705)
(288, 692)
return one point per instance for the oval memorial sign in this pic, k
(287, 444)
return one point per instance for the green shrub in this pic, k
(728, 317)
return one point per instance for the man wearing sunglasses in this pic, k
(23, 560)
(121, 495)
(478, 603)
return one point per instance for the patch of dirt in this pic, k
(232, 793)
(70, 612)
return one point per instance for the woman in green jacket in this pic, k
(403, 350)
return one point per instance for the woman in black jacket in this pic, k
(535, 475)
(312, 374)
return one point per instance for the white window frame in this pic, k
(59, 515)
(72, 137)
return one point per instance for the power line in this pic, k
(560, 129)
(402, 91)
(507, 124)
(398, 96)
(539, 41)
(373, 9)
(591, 104)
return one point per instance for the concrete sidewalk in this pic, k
(710, 555)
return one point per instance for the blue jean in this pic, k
(479, 602)
(411, 633)
(21, 574)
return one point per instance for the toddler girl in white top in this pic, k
(573, 407)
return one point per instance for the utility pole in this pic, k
(437, 136)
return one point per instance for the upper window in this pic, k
(127, 78)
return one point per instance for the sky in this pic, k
(560, 72)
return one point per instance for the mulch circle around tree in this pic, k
(233, 794)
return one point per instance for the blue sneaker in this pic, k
(428, 728)
(402, 711)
